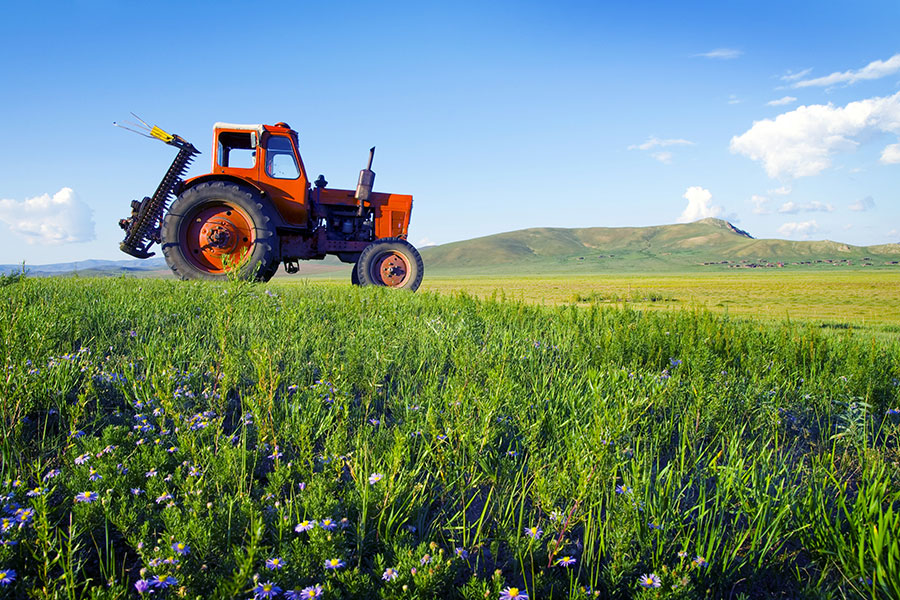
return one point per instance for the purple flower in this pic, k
(649, 581)
(150, 473)
(389, 574)
(94, 475)
(83, 459)
(181, 548)
(513, 593)
(313, 591)
(304, 526)
(275, 563)
(163, 498)
(375, 478)
(136, 491)
(266, 590)
(566, 561)
(86, 497)
(700, 561)
(142, 586)
(35, 492)
(7, 576)
(335, 563)
(425, 559)
(534, 533)
(163, 582)
(51, 474)
(462, 553)
(327, 524)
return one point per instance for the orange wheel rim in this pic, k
(390, 269)
(215, 234)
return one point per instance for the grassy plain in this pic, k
(236, 440)
(834, 297)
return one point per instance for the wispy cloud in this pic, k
(801, 142)
(58, 219)
(814, 206)
(721, 54)
(760, 205)
(781, 101)
(801, 230)
(699, 205)
(863, 204)
(789, 76)
(655, 142)
(874, 70)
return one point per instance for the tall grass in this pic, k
(466, 445)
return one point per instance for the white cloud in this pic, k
(789, 76)
(654, 142)
(781, 101)
(863, 204)
(664, 157)
(874, 70)
(801, 142)
(891, 155)
(721, 53)
(801, 230)
(760, 205)
(59, 219)
(782, 191)
(425, 242)
(814, 206)
(698, 206)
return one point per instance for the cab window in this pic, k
(280, 160)
(237, 149)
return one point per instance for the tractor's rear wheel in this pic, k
(217, 227)
(391, 262)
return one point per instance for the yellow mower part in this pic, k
(161, 135)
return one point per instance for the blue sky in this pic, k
(783, 117)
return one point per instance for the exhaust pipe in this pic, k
(366, 180)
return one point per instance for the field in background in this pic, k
(863, 300)
(206, 440)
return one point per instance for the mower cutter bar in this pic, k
(142, 229)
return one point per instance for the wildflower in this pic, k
(276, 454)
(150, 473)
(375, 478)
(654, 526)
(194, 471)
(83, 459)
(275, 563)
(172, 449)
(425, 559)
(375, 422)
(301, 486)
(305, 526)
(181, 548)
(51, 474)
(513, 593)
(566, 561)
(700, 561)
(313, 591)
(327, 524)
(462, 553)
(142, 586)
(624, 489)
(893, 411)
(674, 362)
(682, 554)
(389, 574)
(122, 469)
(266, 590)
(163, 582)
(649, 581)
(164, 498)
(7, 576)
(413, 571)
(87, 497)
(24, 516)
(94, 475)
(534, 533)
(136, 491)
(335, 563)
(35, 492)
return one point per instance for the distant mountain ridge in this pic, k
(703, 244)
(708, 244)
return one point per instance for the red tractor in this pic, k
(258, 209)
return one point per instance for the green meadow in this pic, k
(540, 437)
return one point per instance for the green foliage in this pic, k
(435, 436)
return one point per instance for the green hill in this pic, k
(709, 244)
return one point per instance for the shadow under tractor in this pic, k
(258, 209)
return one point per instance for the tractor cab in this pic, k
(268, 157)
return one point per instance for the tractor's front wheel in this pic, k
(391, 262)
(219, 227)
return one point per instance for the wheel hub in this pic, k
(218, 236)
(214, 232)
(393, 269)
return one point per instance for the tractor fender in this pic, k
(188, 184)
